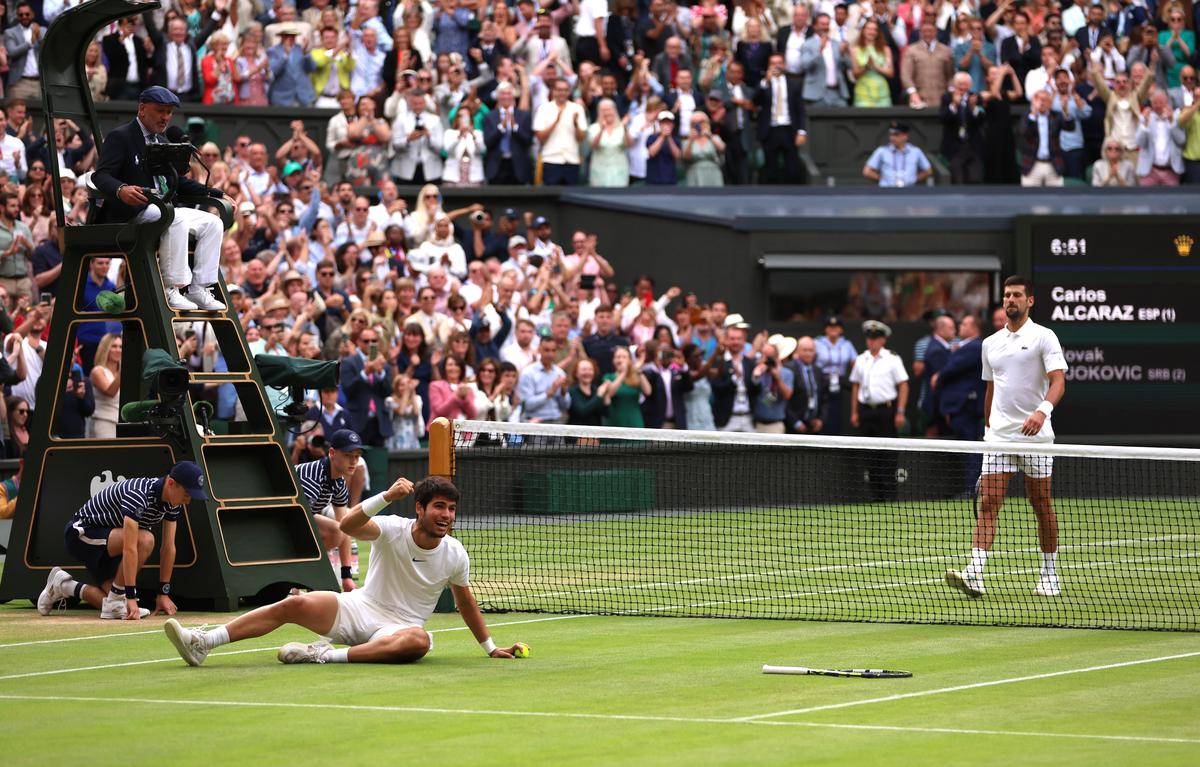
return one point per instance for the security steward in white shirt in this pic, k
(878, 395)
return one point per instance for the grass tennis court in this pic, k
(604, 691)
(1123, 563)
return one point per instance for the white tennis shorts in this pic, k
(1036, 466)
(359, 621)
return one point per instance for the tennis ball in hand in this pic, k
(521, 650)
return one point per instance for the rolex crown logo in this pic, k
(1183, 245)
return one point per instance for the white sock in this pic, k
(978, 560)
(70, 586)
(115, 594)
(1048, 563)
(338, 655)
(216, 637)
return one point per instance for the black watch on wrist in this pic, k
(164, 588)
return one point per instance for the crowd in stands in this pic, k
(490, 314)
(468, 92)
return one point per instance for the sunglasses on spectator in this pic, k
(243, 144)
(361, 210)
(284, 210)
(431, 196)
(427, 297)
(269, 327)
(22, 411)
(212, 153)
(325, 274)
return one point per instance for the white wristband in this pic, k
(488, 646)
(1045, 408)
(374, 505)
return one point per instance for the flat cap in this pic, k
(156, 94)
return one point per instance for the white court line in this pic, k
(958, 688)
(81, 639)
(55, 672)
(589, 716)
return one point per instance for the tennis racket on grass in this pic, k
(862, 673)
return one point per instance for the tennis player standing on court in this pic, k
(1025, 370)
(383, 622)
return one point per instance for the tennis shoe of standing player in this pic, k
(189, 642)
(967, 582)
(298, 652)
(1048, 586)
(54, 591)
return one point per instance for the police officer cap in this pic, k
(875, 329)
(156, 94)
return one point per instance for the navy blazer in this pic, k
(158, 63)
(961, 388)
(654, 407)
(795, 97)
(754, 58)
(797, 406)
(520, 140)
(936, 357)
(725, 391)
(360, 393)
(123, 161)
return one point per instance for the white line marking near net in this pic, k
(961, 687)
(590, 716)
(176, 658)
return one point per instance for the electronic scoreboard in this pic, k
(1123, 295)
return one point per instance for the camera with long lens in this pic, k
(478, 217)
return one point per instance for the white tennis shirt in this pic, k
(1018, 365)
(405, 580)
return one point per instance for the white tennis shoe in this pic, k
(54, 592)
(177, 302)
(204, 300)
(298, 652)
(1048, 586)
(114, 610)
(189, 642)
(967, 582)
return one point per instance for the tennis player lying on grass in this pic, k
(383, 622)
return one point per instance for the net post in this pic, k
(441, 448)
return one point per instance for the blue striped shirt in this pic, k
(139, 498)
(835, 360)
(319, 486)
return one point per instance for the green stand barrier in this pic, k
(255, 534)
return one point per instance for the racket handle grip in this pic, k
(800, 670)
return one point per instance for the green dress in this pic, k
(872, 89)
(625, 408)
(704, 167)
(609, 164)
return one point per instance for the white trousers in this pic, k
(173, 248)
(1042, 174)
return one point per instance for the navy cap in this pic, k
(345, 440)
(190, 478)
(156, 94)
(511, 214)
(540, 221)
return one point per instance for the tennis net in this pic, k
(645, 522)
